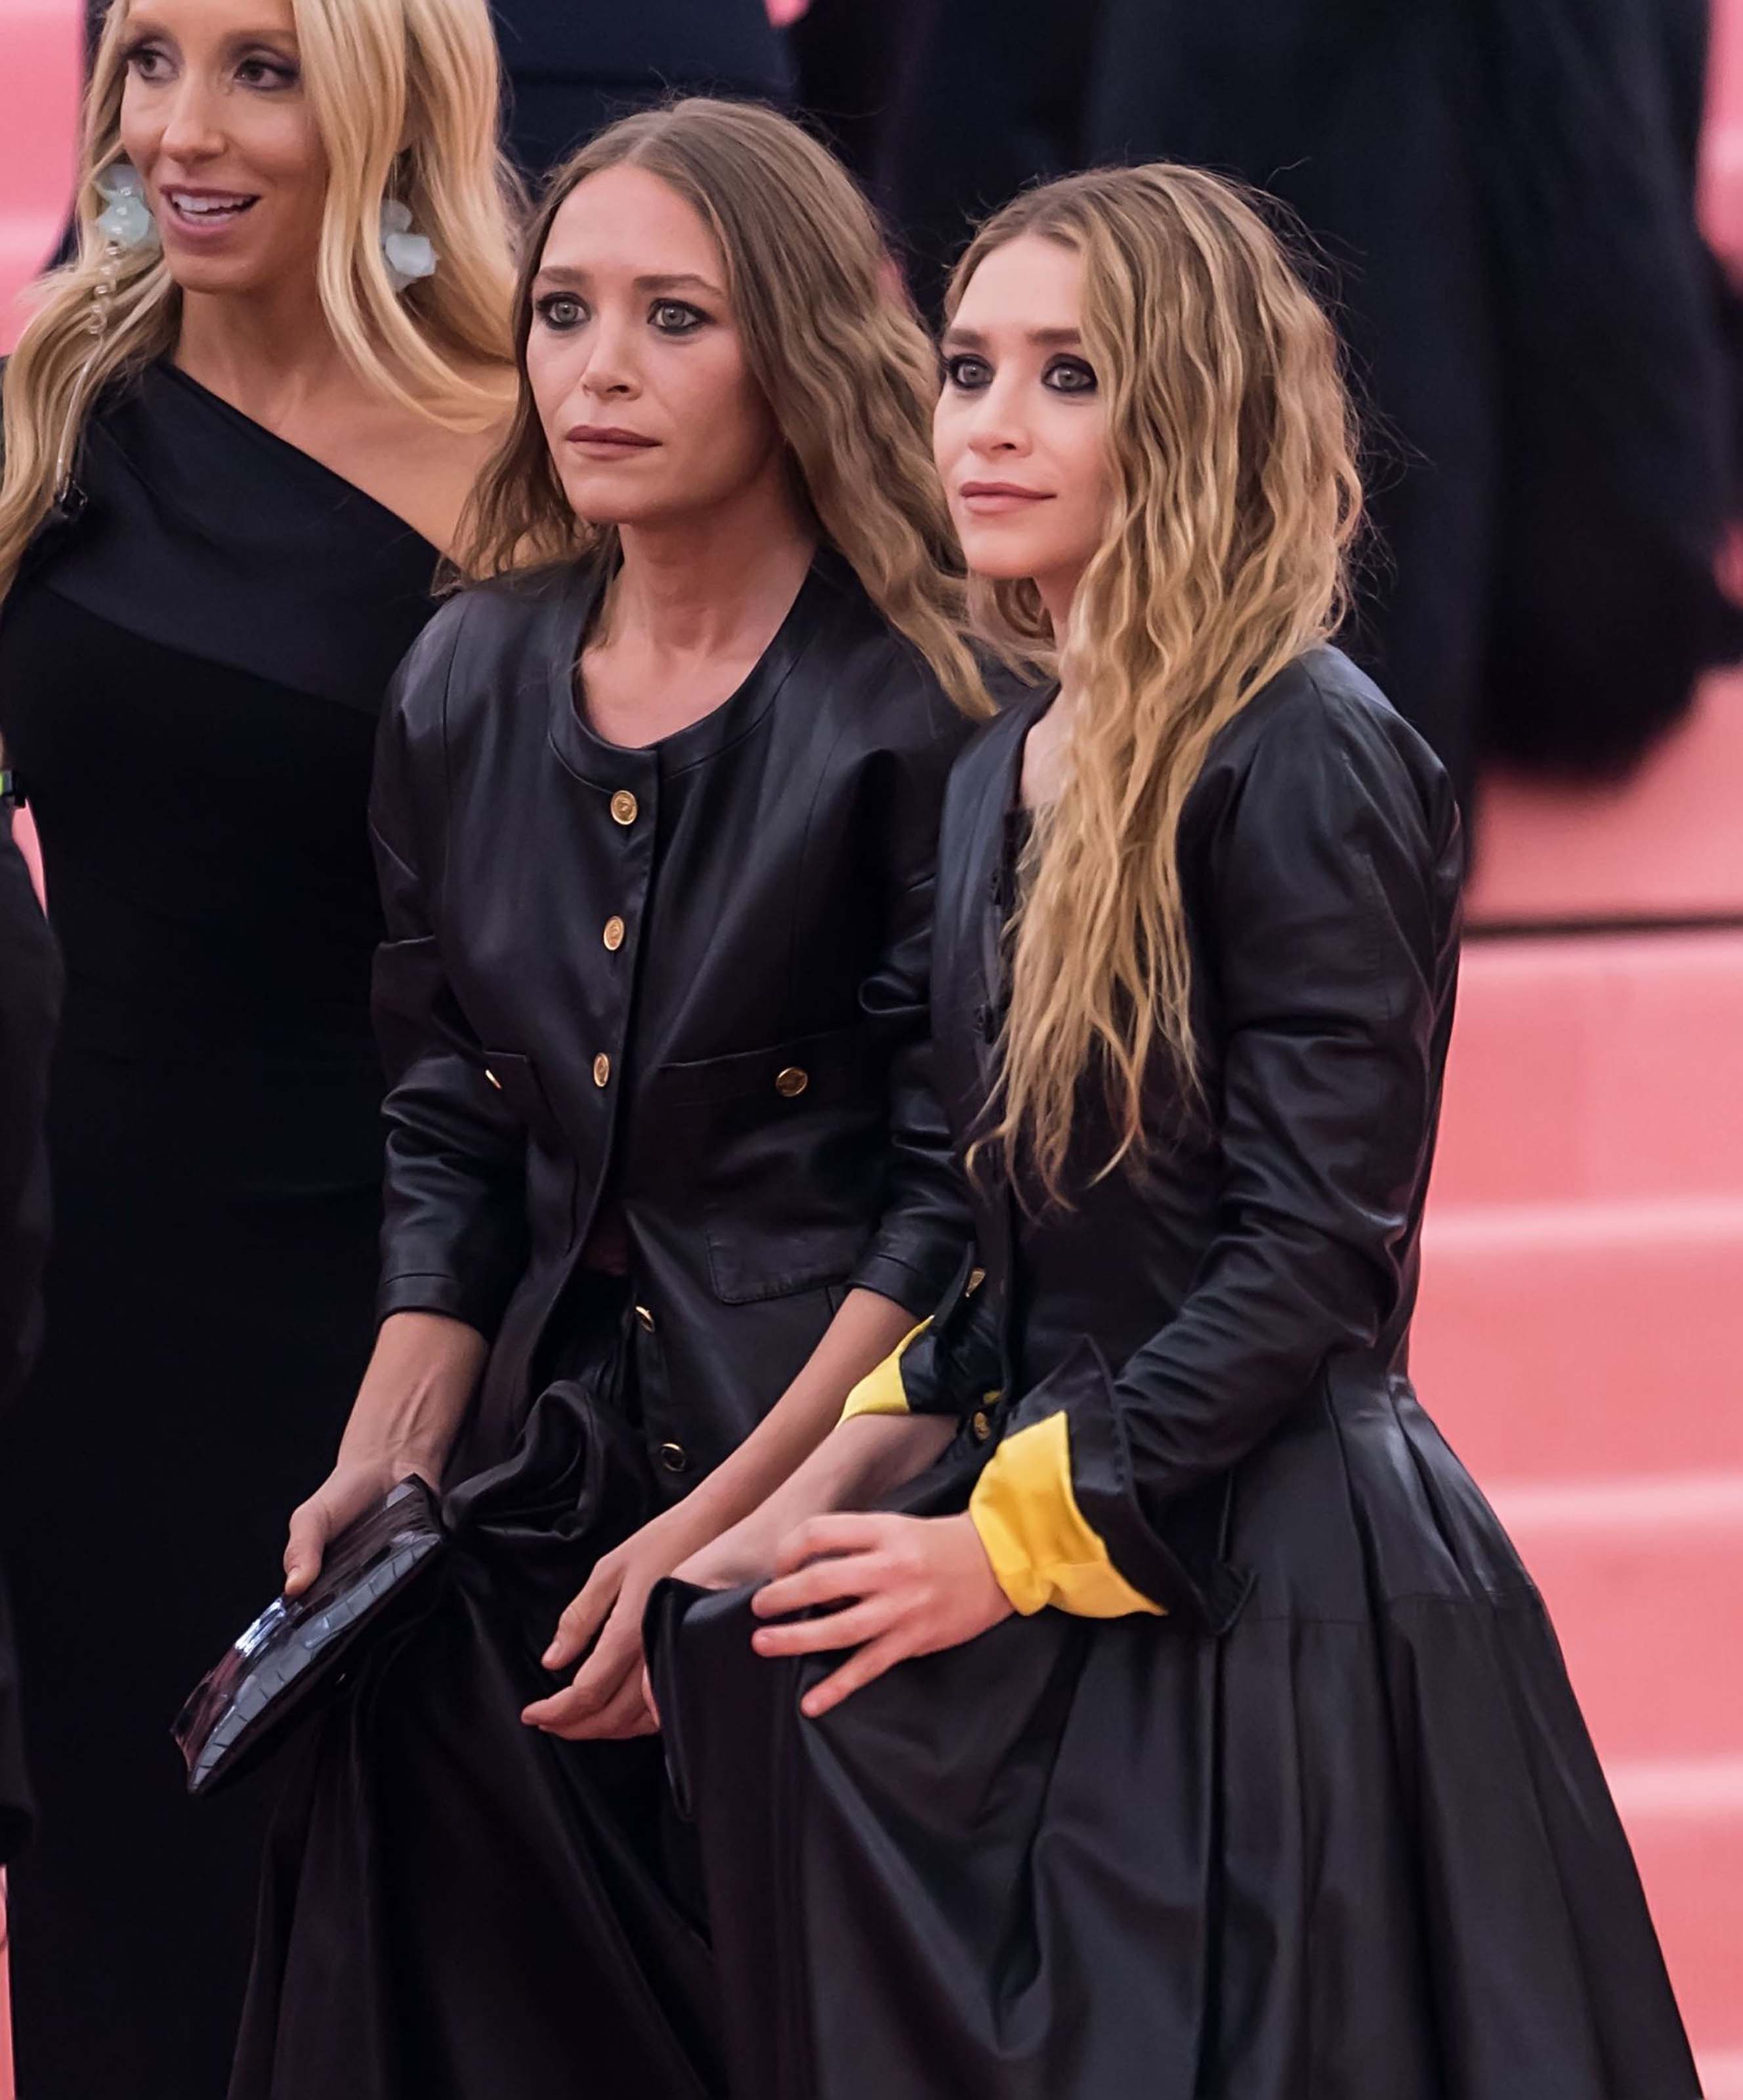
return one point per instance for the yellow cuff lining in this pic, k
(881, 1391)
(1042, 1549)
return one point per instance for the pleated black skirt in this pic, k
(456, 1906)
(1359, 1848)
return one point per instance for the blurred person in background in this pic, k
(575, 66)
(30, 979)
(238, 427)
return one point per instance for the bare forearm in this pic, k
(416, 1391)
(864, 1332)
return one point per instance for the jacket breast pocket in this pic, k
(788, 1147)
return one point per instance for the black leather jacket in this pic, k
(1178, 1316)
(677, 993)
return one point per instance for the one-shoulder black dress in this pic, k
(1277, 1789)
(191, 669)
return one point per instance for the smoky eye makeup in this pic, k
(675, 317)
(1070, 375)
(967, 370)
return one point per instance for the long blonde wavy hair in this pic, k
(1232, 455)
(838, 353)
(404, 95)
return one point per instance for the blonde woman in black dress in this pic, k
(239, 431)
(1193, 1733)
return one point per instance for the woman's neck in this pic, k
(266, 353)
(716, 584)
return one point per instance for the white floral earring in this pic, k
(407, 256)
(125, 220)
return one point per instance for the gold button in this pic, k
(492, 1079)
(613, 935)
(982, 1425)
(792, 1081)
(674, 1457)
(646, 1317)
(602, 1069)
(624, 807)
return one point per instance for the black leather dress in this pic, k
(661, 1095)
(1332, 1826)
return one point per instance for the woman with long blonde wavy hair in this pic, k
(656, 809)
(240, 427)
(1189, 1729)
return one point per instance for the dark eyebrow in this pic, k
(1053, 338)
(556, 273)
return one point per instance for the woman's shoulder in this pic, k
(1321, 728)
(489, 637)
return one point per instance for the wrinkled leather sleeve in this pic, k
(925, 1223)
(1321, 928)
(454, 1235)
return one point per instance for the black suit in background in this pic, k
(575, 65)
(29, 1008)
(1504, 192)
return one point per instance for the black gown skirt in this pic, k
(522, 1912)
(191, 669)
(1358, 1848)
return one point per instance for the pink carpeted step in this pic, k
(1579, 1339)
(1645, 1579)
(1666, 844)
(40, 74)
(1590, 1066)
(1685, 1821)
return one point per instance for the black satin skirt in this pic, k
(1358, 1848)
(456, 1906)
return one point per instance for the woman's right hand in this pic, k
(414, 1394)
(353, 1486)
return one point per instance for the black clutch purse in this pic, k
(295, 1651)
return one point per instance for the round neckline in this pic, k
(590, 756)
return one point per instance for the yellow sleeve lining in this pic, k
(1041, 1547)
(881, 1391)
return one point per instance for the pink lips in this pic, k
(607, 439)
(993, 499)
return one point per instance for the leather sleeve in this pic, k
(1325, 939)
(454, 1235)
(925, 1223)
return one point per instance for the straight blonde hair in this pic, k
(838, 352)
(1231, 446)
(404, 95)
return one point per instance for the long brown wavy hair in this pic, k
(404, 95)
(841, 360)
(1231, 452)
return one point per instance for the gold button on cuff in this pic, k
(646, 1317)
(602, 1069)
(624, 807)
(613, 933)
(492, 1079)
(674, 1457)
(792, 1081)
(981, 1422)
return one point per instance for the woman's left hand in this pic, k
(905, 1586)
(605, 1701)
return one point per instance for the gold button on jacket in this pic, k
(602, 1069)
(613, 934)
(792, 1081)
(624, 807)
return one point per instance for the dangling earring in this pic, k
(407, 256)
(126, 221)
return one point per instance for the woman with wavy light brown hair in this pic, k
(1189, 1729)
(240, 429)
(656, 811)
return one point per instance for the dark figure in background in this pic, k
(575, 66)
(29, 1006)
(1505, 193)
